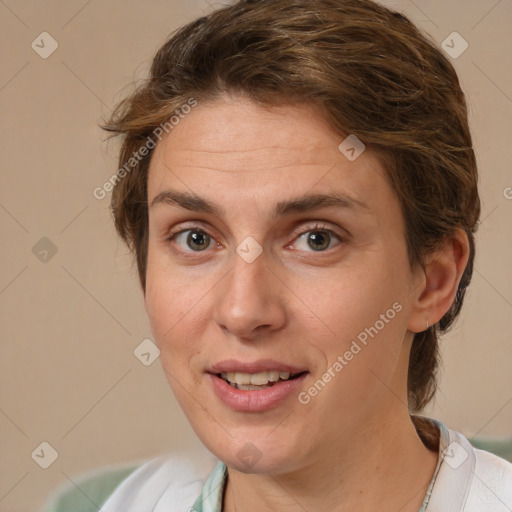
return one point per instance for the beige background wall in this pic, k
(70, 324)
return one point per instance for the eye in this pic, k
(318, 238)
(196, 240)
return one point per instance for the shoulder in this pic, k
(491, 484)
(469, 479)
(170, 482)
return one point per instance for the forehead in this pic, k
(238, 147)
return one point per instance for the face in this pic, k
(278, 264)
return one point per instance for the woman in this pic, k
(298, 184)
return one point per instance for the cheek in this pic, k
(173, 320)
(171, 313)
(176, 307)
(359, 314)
(353, 299)
(167, 302)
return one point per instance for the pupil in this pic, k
(317, 238)
(199, 238)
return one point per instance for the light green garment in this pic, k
(210, 499)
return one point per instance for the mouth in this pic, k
(257, 381)
(255, 386)
(256, 390)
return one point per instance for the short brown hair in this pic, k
(369, 72)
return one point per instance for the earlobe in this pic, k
(439, 282)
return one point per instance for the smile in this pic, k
(256, 398)
(255, 381)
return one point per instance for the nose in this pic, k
(250, 299)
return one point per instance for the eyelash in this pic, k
(297, 234)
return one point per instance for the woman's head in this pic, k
(248, 107)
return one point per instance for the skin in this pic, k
(353, 446)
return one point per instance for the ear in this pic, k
(436, 286)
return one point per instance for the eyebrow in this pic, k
(301, 204)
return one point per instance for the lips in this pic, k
(261, 365)
(225, 376)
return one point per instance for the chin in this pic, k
(253, 454)
(257, 463)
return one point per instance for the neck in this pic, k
(386, 467)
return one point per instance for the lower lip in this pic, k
(255, 400)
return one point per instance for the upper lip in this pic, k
(261, 365)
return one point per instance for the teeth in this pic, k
(242, 378)
(273, 376)
(258, 379)
(255, 379)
